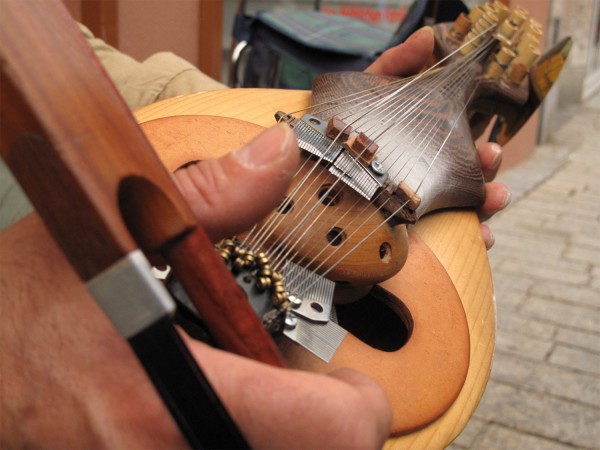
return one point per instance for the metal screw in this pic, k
(377, 167)
(295, 301)
(291, 321)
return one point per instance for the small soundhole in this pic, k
(336, 236)
(329, 196)
(385, 252)
(285, 206)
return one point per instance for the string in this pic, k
(381, 133)
(319, 216)
(390, 92)
(358, 244)
(388, 98)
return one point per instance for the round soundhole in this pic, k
(385, 252)
(336, 236)
(285, 206)
(329, 196)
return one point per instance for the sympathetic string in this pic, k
(417, 118)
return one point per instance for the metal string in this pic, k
(389, 105)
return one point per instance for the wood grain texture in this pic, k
(55, 141)
(398, 119)
(433, 362)
(454, 238)
(93, 176)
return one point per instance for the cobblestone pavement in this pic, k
(544, 391)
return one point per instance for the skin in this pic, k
(68, 379)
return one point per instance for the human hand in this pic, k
(411, 57)
(70, 381)
(274, 407)
(497, 195)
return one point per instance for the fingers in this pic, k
(407, 58)
(487, 235)
(490, 156)
(497, 197)
(373, 397)
(284, 408)
(231, 194)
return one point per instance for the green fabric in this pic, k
(328, 32)
(13, 202)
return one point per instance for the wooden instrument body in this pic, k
(452, 237)
(380, 249)
(455, 178)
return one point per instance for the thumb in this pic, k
(230, 194)
(407, 58)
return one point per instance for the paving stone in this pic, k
(583, 254)
(545, 205)
(510, 291)
(520, 219)
(528, 243)
(497, 437)
(520, 344)
(519, 284)
(549, 417)
(572, 226)
(540, 377)
(516, 214)
(579, 338)
(590, 238)
(525, 326)
(581, 295)
(509, 301)
(576, 358)
(562, 313)
(570, 273)
(470, 434)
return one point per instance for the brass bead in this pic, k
(238, 264)
(279, 289)
(266, 272)
(277, 276)
(279, 299)
(263, 283)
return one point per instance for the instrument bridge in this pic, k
(311, 132)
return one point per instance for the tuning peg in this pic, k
(500, 9)
(500, 63)
(518, 16)
(506, 31)
(461, 26)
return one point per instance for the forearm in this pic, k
(68, 379)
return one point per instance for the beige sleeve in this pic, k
(162, 75)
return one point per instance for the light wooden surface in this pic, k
(453, 237)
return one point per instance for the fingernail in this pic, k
(266, 149)
(497, 159)
(506, 199)
(490, 241)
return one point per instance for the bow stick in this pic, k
(105, 197)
